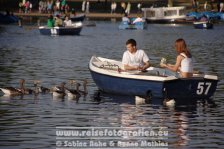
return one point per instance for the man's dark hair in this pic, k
(131, 41)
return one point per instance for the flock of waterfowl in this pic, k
(60, 91)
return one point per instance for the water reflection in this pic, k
(30, 121)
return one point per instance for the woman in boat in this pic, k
(184, 62)
(138, 19)
(67, 21)
(134, 59)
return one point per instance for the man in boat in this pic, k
(133, 58)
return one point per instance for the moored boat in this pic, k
(164, 14)
(156, 82)
(8, 18)
(75, 29)
(137, 25)
(78, 18)
(203, 25)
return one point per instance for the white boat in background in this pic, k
(164, 14)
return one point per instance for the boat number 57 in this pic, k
(203, 88)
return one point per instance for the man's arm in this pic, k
(127, 67)
(140, 68)
(146, 65)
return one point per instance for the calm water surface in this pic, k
(30, 122)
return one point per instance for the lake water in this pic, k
(32, 121)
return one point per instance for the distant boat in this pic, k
(78, 18)
(156, 82)
(8, 18)
(164, 14)
(67, 30)
(138, 25)
(208, 14)
(203, 25)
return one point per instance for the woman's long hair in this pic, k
(181, 47)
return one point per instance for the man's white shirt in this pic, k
(136, 59)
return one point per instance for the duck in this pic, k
(139, 100)
(26, 91)
(169, 102)
(44, 90)
(8, 91)
(73, 93)
(59, 91)
(40, 88)
(96, 96)
(16, 91)
(84, 92)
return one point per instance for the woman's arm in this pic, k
(175, 67)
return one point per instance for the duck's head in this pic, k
(21, 81)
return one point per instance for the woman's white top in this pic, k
(68, 22)
(186, 64)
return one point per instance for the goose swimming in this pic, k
(59, 91)
(11, 91)
(169, 102)
(84, 84)
(73, 93)
(16, 91)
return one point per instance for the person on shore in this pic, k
(128, 9)
(221, 7)
(123, 7)
(133, 58)
(49, 6)
(41, 3)
(113, 7)
(30, 7)
(87, 6)
(205, 6)
(194, 5)
(58, 5)
(184, 62)
(139, 6)
(83, 5)
(27, 6)
(50, 21)
(211, 4)
(63, 3)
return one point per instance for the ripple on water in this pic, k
(30, 122)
